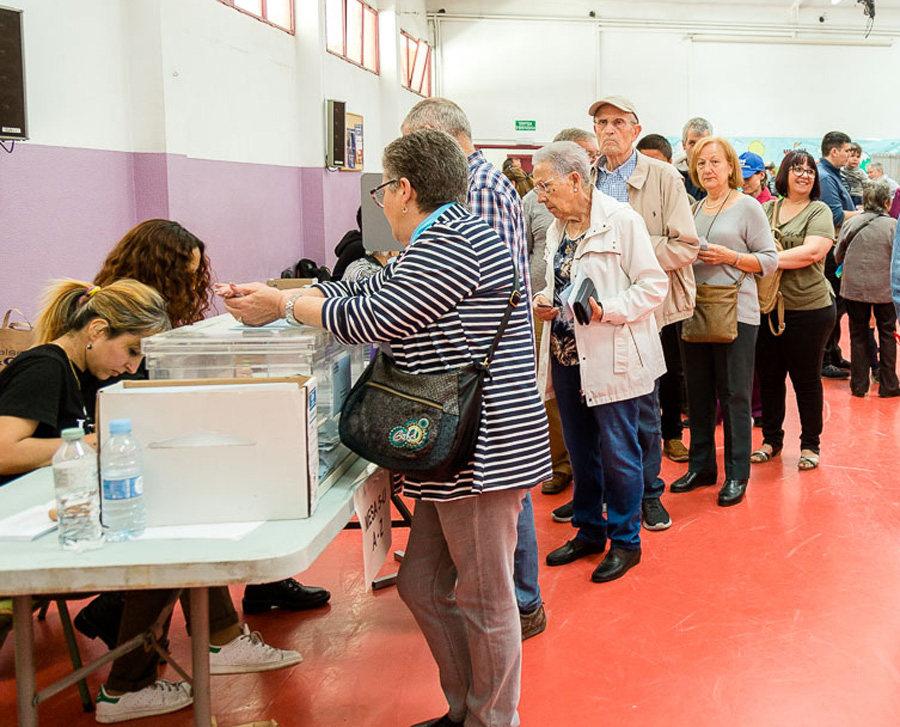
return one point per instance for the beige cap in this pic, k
(620, 102)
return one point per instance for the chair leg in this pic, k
(43, 604)
(87, 703)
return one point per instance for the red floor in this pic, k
(784, 610)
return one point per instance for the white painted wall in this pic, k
(551, 70)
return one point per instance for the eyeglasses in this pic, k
(544, 187)
(377, 194)
(618, 123)
(803, 171)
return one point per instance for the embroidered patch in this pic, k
(411, 435)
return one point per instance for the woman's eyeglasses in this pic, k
(377, 194)
(803, 172)
(544, 187)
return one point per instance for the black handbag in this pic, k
(421, 425)
(581, 302)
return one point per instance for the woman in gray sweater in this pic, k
(864, 248)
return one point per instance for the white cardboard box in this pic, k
(221, 450)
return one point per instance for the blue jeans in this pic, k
(525, 563)
(606, 463)
(650, 438)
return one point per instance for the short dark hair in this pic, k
(658, 142)
(833, 140)
(434, 164)
(801, 158)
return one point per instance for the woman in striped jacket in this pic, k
(438, 305)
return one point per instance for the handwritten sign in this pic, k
(372, 503)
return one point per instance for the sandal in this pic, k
(809, 460)
(764, 453)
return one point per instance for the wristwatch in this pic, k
(289, 311)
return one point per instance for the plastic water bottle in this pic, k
(77, 493)
(123, 486)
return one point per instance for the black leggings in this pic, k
(796, 353)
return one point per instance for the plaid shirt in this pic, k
(492, 197)
(615, 183)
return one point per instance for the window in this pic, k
(279, 13)
(351, 30)
(415, 65)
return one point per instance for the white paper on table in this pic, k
(372, 503)
(210, 531)
(28, 524)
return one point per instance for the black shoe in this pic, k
(564, 513)
(101, 618)
(692, 480)
(842, 363)
(889, 394)
(444, 721)
(616, 563)
(572, 551)
(654, 514)
(732, 492)
(833, 372)
(286, 594)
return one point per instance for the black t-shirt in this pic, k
(41, 385)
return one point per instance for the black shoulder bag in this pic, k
(421, 425)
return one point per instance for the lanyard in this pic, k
(429, 221)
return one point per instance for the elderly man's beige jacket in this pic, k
(656, 192)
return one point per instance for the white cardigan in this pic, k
(621, 356)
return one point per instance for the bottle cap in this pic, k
(72, 433)
(120, 426)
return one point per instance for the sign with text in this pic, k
(372, 502)
(526, 125)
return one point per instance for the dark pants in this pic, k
(606, 463)
(138, 668)
(833, 355)
(796, 353)
(724, 370)
(671, 383)
(885, 319)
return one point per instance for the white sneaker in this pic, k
(161, 697)
(248, 653)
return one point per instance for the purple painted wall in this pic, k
(62, 209)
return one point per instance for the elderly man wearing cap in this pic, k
(656, 192)
(753, 170)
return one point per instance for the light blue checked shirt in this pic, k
(494, 199)
(615, 183)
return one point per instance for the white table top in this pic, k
(275, 550)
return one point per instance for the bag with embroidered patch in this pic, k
(421, 425)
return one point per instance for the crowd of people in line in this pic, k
(607, 223)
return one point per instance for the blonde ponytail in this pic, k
(127, 306)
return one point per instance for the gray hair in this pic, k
(576, 135)
(878, 166)
(698, 125)
(876, 195)
(565, 157)
(438, 113)
(434, 164)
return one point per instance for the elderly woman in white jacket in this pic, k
(598, 370)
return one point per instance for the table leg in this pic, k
(200, 655)
(25, 681)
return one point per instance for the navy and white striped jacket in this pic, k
(439, 305)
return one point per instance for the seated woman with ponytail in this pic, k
(83, 331)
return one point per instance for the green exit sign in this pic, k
(526, 125)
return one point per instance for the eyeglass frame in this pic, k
(542, 186)
(803, 171)
(373, 193)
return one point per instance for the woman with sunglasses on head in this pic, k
(805, 229)
(735, 244)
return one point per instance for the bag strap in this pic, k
(514, 296)
(852, 235)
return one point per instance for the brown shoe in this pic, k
(533, 623)
(675, 450)
(556, 484)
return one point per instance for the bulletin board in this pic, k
(354, 156)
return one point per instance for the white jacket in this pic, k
(621, 356)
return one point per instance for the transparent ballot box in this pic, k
(222, 348)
